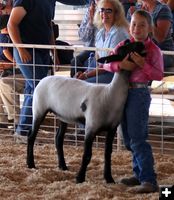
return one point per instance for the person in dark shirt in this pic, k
(30, 23)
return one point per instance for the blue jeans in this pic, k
(135, 133)
(32, 76)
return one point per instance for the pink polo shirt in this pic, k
(153, 68)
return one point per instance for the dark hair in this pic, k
(146, 15)
(3, 21)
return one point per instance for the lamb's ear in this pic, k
(109, 59)
(126, 41)
(102, 60)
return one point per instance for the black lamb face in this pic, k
(123, 51)
(137, 47)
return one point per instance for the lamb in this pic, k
(98, 106)
(125, 50)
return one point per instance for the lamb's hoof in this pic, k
(64, 168)
(80, 179)
(30, 166)
(110, 180)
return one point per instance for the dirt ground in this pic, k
(48, 182)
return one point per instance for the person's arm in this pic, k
(16, 16)
(87, 28)
(54, 52)
(8, 54)
(7, 64)
(162, 22)
(7, 51)
(90, 74)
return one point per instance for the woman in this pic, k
(162, 30)
(113, 28)
(110, 20)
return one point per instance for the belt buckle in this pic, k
(138, 85)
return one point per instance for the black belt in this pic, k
(138, 85)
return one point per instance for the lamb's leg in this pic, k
(31, 139)
(86, 157)
(108, 151)
(59, 145)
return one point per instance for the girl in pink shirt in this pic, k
(136, 113)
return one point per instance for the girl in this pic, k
(136, 112)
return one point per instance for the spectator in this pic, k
(113, 28)
(23, 14)
(9, 100)
(162, 31)
(87, 33)
(65, 56)
(30, 23)
(170, 3)
(136, 113)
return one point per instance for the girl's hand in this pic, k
(24, 55)
(138, 60)
(127, 65)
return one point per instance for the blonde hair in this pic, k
(120, 19)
